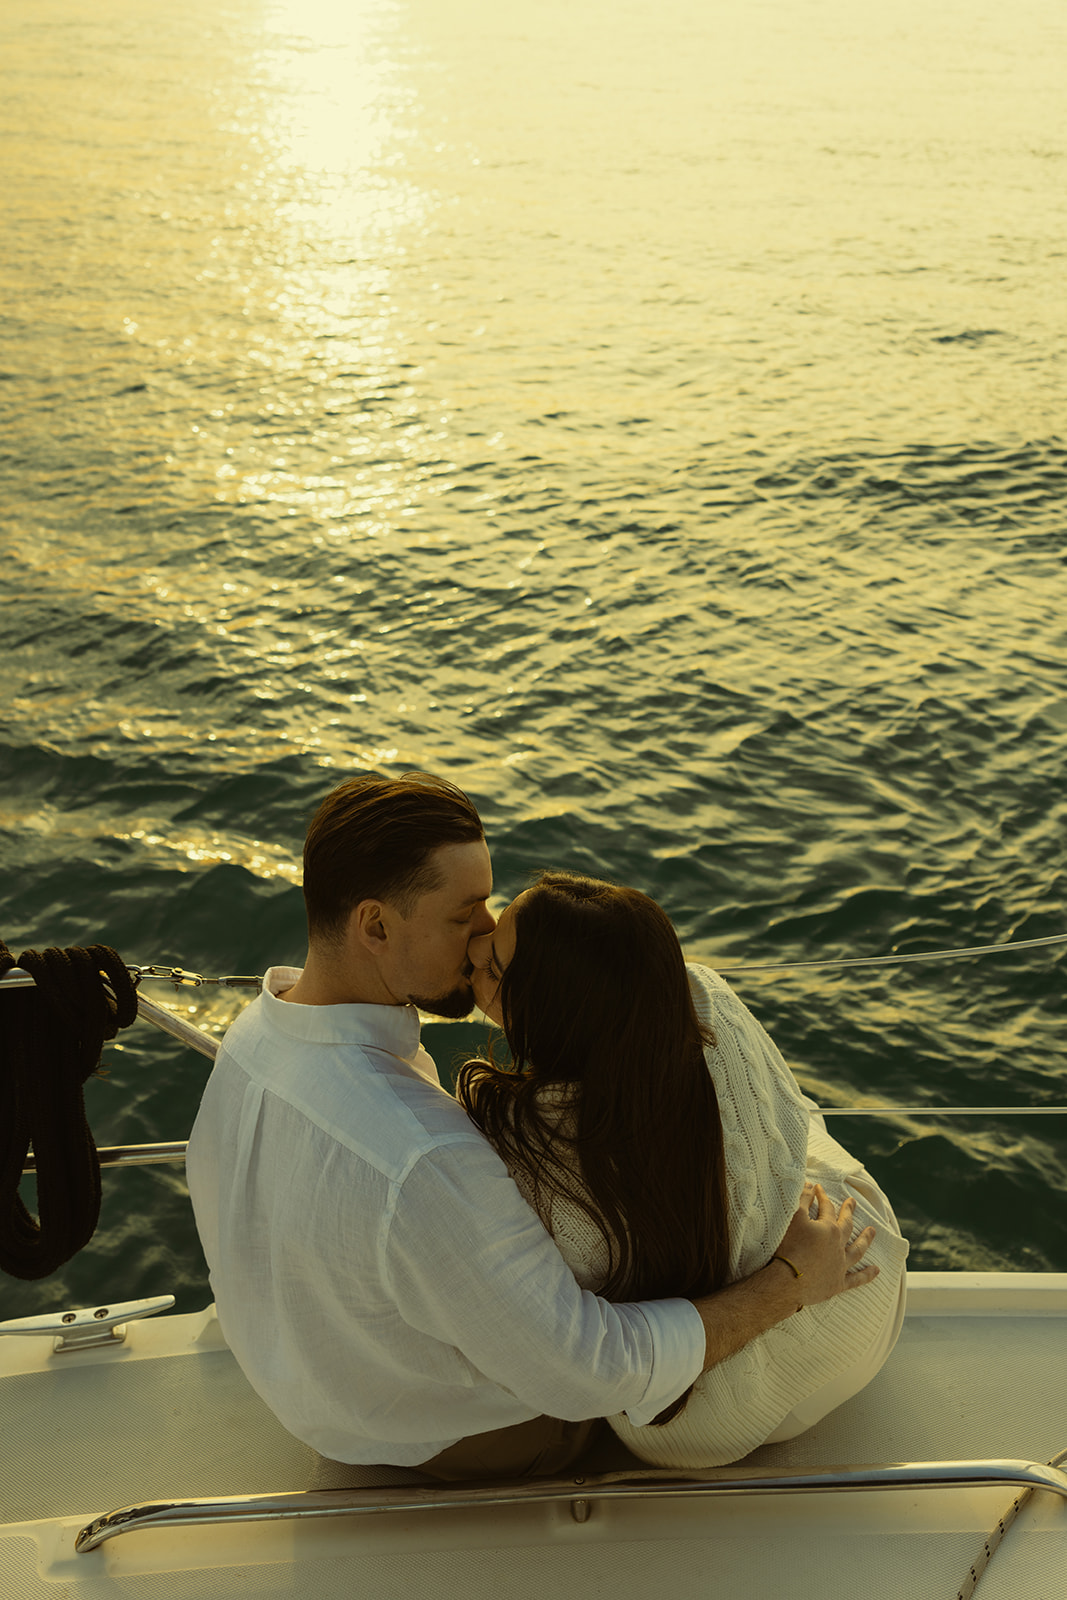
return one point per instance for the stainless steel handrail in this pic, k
(150, 1155)
(177, 1027)
(130, 1155)
(437, 1496)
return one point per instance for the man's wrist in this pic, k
(745, 1309)
(779, 1278)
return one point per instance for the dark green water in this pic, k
(660, 435)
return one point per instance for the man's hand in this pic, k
(821, 1249)
(818, 1247)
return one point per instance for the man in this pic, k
(380, 1280)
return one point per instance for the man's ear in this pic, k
(367, 925)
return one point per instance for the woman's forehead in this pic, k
(505, 933)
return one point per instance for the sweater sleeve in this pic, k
(764, 1122)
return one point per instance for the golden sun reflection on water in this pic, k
(332, 113)
(328, 422)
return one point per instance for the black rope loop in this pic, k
(50, 1043)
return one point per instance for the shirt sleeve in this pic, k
(468, 1263)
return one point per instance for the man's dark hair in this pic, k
(373, 838)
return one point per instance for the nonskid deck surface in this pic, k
(978, 1374)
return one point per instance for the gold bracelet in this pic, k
(794, 1270)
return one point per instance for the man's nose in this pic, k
(484, 922)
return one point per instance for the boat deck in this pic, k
(979, 1374)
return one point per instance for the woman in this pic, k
(657, 1131)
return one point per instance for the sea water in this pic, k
(650, 417)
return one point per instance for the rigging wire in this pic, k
(181, 978)
(187, 1033)
(897, 960)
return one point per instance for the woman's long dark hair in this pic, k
(596, 1004)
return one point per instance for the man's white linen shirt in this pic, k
(379, 1278)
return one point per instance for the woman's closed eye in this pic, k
(485, 959)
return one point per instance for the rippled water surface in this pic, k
(650, 416)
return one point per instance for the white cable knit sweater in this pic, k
(772, 1144)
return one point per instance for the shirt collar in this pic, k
(391, 1028)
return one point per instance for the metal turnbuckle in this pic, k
(175, 975)
(180, 978)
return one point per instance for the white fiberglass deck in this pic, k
(980, 1373)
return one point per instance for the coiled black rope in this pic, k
(51, 1037)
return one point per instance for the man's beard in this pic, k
(458, 1002)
